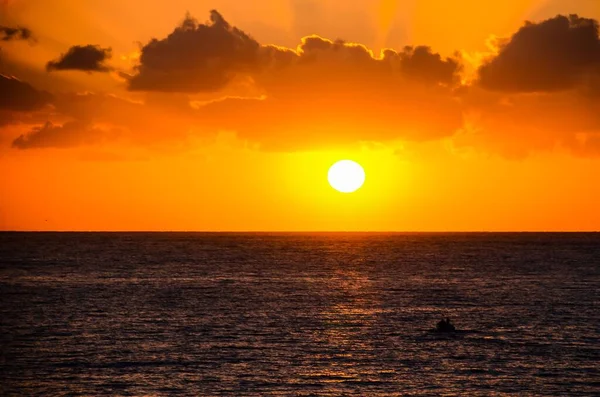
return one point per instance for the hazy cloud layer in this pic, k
(160, 118)
(552, 55)
(518, 124)
(88, 58)
(70, 134)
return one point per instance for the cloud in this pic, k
(88, 58)
(160, 120)
(517, 124)
(20, 96)
(553, 55)
(195, 57)
(8, 33)
(155, 120)
(74, 133)
(321, 93)
(539, 91)
(332, 92)
(422, 64)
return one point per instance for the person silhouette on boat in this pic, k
(445, 326)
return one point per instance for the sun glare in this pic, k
(346, 176)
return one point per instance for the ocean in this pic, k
(309, 314)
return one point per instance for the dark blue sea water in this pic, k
(145, 314)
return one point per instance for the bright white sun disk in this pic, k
(346, 176)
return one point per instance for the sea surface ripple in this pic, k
(198, 314)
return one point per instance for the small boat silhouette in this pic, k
(445, 326)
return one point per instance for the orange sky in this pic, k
(232, 123)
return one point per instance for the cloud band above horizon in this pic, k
(539, 90)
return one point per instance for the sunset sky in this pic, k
(225, 115)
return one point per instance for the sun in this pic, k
(346, 176)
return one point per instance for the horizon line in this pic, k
(306, 231)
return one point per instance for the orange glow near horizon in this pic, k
(244, 143)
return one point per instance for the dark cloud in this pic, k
(20, 96)
(88, 58)
(536, 94)
(418, 64)
(73, 133)
(552, 55)
(422, 64)
(207, 57)
(195, 57)
(334, 91)
(319, 62)
(540, 92)
(8, 33)
(323, 92)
